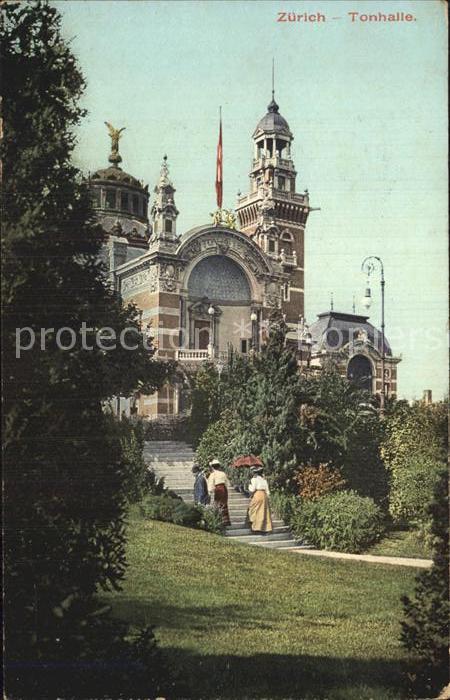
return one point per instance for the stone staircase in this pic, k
(174, 461)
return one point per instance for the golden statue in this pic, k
(216, 217)
(115, 135)
(230, 219)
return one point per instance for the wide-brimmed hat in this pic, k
(214, 463)
(257, 469)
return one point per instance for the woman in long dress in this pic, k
(218, 485)
(259, 510)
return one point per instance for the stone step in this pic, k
(270, 537)
(247, 531)
(241, 524)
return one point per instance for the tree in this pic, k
(426, 628)
(65, 476)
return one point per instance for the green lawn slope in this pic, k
(236, 621)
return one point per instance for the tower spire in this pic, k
(273, 79)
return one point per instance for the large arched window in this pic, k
(359, 371)
(219, 279)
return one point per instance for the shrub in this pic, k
(342, 521)
(159, 507)
(212, 519)
(425, 629)
(314, 482)
(284, 505)
(412, 488)
(171, 508)
(186, 514)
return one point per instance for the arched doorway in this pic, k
(359, 372)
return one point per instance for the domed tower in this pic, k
(121, 204)
(273, 213)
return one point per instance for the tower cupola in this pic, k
(164, 212)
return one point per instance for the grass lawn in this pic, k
(240, 622)
(401, 543)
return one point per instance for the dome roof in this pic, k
(273, 121)
(336, 329)
(116, 174)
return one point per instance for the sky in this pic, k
(365, 100)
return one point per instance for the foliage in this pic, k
(340, 425)
(316, 481)
(284, 505)
(205, 399)
(412, 489)
(216, 441)
(132, 445)
(170, 508)
(212, 519)
(426, 629)
(413, 449)
(67, 477)
(342, 521)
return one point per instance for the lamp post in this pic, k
(368, 266)
(253, 319)
(211, 312)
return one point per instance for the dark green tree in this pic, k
(426, 627)
(65, 475)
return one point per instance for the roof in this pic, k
(115, 174)
(273, 121)
(336, 329)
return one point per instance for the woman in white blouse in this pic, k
(258, 510)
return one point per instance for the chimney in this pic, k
(427, 397)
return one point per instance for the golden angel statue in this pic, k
(115, 136)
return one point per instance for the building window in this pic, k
(168, 225)
(110, 201)
(281, 182)
(271, 245)
(244, 346)
(286, 295)
(124, 201)
(144, 208)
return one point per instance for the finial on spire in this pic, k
(115, 134)
(331, 302)
(164, 174)
(354, 306)
(273, 79)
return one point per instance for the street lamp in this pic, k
(211, 312)
(369, 264)
(253, 319)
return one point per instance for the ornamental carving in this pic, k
(145, 278)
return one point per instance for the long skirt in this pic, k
(259, 512)
(221, 499)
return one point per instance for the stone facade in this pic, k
(213, 288)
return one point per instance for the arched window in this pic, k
(219, 278)
(359, 372)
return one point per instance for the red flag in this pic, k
(219, 173)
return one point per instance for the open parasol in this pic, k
(247, 461)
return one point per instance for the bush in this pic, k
(212, 519)
(412, 488)
(171, 508)
(284, 505)
(342, 521)
(314, 482)
(425, 629)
